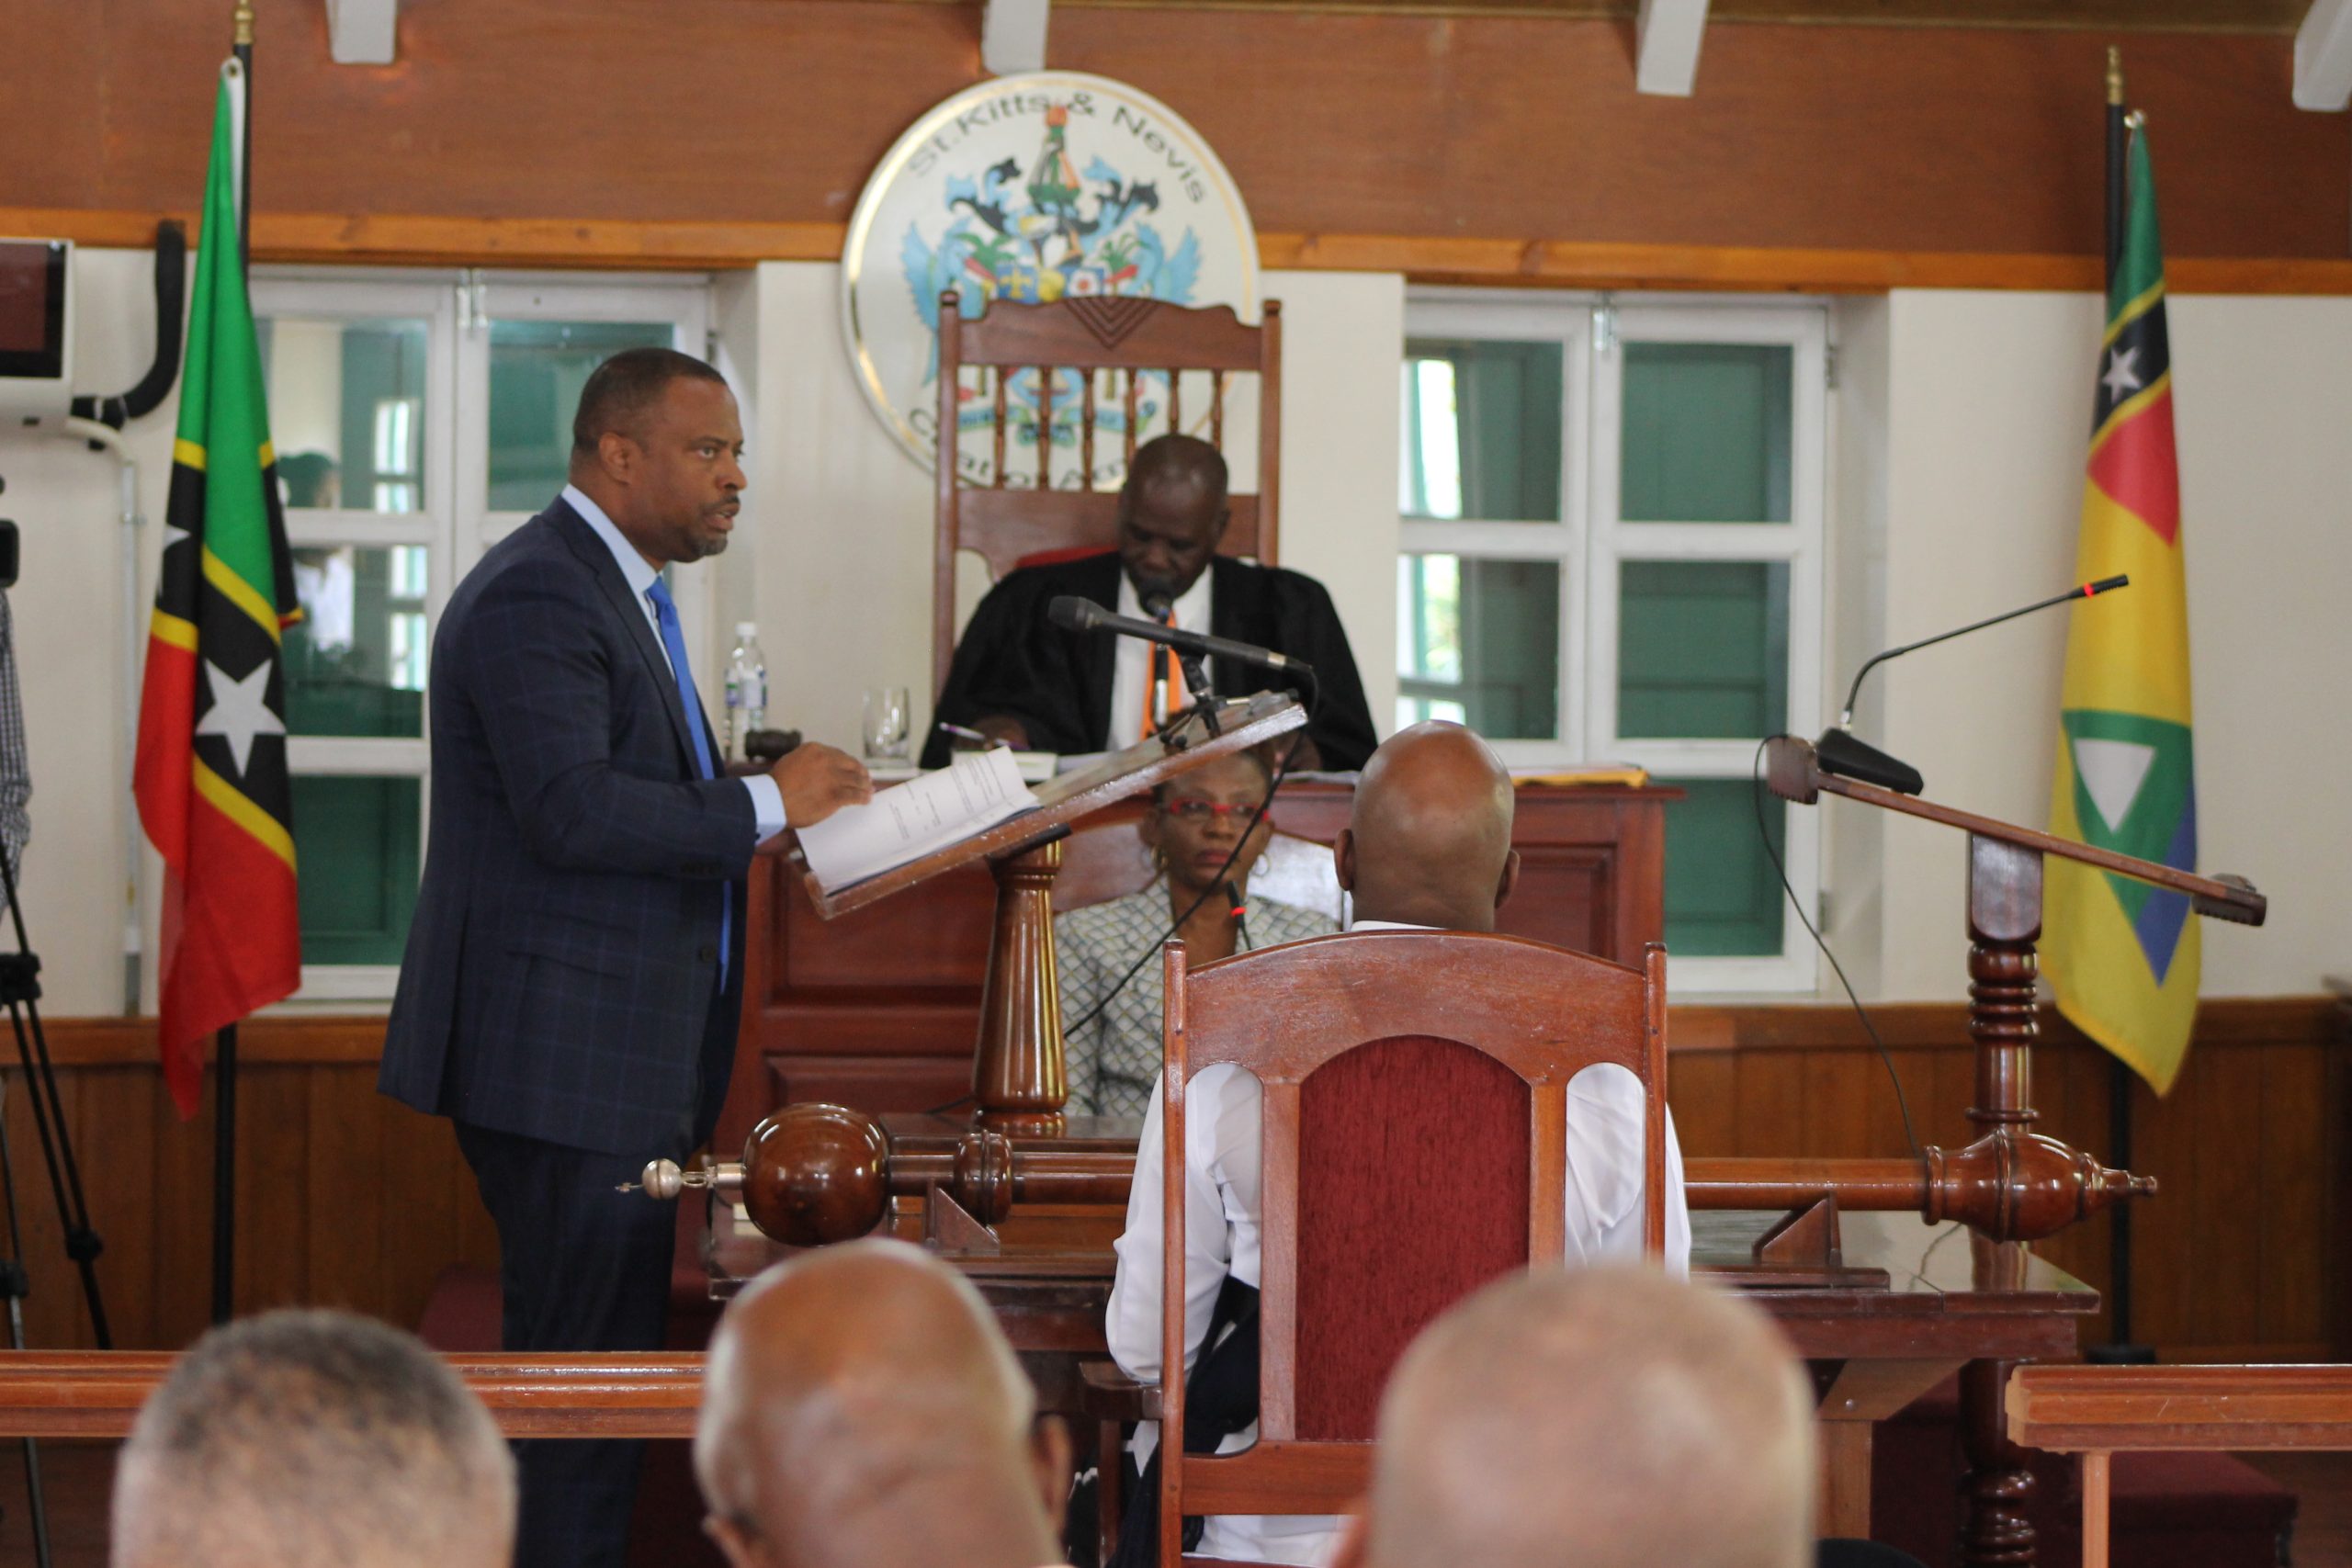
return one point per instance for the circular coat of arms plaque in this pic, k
(1049, 186)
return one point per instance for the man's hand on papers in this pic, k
(817, 780)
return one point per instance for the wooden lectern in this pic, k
(2018, 1185)
(1019, 1085)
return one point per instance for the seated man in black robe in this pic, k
(1019, 679)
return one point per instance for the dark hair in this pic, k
(305, 475)
(1159, 792)
(1178, 458)
(623, 388)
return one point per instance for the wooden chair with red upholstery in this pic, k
(1117, 360)
(1414, 1148)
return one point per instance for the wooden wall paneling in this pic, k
(114, 1141)
(343, 1170)
(2291, 1298)
(1772, 1105)
(274, 1196)
(2233, 1186)
(1701, 1087)
(426, 1220)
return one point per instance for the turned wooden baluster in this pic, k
(2004, 923)
(1017, 1073)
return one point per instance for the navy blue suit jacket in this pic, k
(560, 980)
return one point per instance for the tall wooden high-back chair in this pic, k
(1414, 1147)
(1090, 360)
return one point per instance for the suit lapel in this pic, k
(636, 625)
(1098, 578)
(1233, 615)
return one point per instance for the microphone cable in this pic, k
(1221, 882)
(1764, 833)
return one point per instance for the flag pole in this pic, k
(2120, 1349)
(224, 1069)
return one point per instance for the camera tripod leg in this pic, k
(14, 1284)
(83, 1243)
(21, 972)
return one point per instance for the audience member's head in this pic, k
(1610, 1417)
(862, 1410)
(303, 1437)
(1429, 840)
(1171, 512)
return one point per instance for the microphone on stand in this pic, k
(1158, 596)
(1073, 613)
(1840, 751)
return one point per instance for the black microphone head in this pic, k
(1073, 613)
(1158, 596)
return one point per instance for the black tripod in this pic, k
(20, 989)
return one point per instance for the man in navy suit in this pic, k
(573, 979)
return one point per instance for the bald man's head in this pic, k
(1612, 1418)
(861, 1407)
(1429, 841)
(301, 1437)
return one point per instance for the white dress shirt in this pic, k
(767, 799)
(1131, 667)
(1223, 1118)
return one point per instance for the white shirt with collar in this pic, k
(767, 799)
(1223, 1121)
(1131, 665)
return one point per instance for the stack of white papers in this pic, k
(910, 820)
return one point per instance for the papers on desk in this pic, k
(908, 822)
(1624, 773)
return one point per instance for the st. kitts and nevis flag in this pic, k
(211, 774)
(2123, 956)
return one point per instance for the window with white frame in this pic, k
(1611, 550)
(417, 417)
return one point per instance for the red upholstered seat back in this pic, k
(1412, 1192)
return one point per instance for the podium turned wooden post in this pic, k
(1018, 1078)
(2004, 923)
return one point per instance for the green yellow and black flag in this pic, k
(211, 774)
(2123, 957)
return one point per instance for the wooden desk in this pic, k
(1913, 1303)
(879, 1009)
(2098, 1412)
(96, 1394)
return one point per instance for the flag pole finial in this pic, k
(2115, 75)
(244, 23)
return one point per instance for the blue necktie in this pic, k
(665, 615)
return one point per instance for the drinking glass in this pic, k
(885, 724)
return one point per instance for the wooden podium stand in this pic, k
(814, 1173)
(1018, 1080)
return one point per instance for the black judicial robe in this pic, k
(1012, 660)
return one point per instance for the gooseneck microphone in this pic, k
(1073, 613)
(1840, 751)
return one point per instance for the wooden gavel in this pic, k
(813, 1174)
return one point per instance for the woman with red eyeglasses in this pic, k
(1192, 830)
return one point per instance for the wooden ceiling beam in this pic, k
(637, 245)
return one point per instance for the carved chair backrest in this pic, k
(1414, 1103)
(1112, 365)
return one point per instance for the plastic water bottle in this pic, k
(747, 689)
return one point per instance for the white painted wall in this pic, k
(1959, 436)
(1986, 421)
(844, 516)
